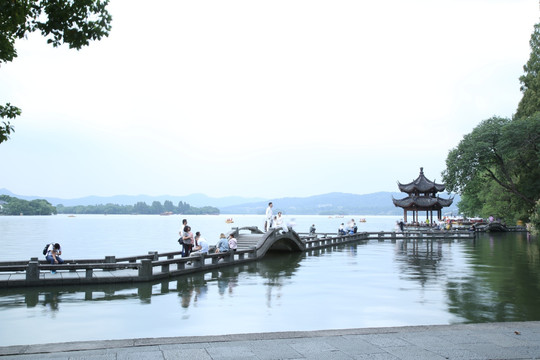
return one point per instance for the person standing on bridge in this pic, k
(181, 233)
(188, 241)
(269, 217)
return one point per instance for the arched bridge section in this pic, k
(273, 240)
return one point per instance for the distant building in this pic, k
(422, 196)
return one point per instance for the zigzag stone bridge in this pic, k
(253, 244)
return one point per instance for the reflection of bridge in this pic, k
(253, 244)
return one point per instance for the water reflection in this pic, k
(191, 289)
(419, 260)
(494, 278)
(505, 281)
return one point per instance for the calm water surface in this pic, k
(368, 284)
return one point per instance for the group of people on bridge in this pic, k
(274, 221)
(351, 228)
(197, 244)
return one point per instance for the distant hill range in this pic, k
(379, 203)
(197, 200)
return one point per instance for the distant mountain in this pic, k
(197, 200)
(379, 203)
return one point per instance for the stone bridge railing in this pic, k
(155, 266)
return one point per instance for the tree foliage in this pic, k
(535, 218)
(9, 112)
(496, 168)
(530, 81)
(14, 206)
(138, 208)
(71, 22)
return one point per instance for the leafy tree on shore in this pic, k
(496, 168)
(9, 112)
(14, 206)
(530, 81)
(138, 208)
(75, 23)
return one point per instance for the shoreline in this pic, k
(510, 340)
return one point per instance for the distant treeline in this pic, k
(139, 208)
(12, 206)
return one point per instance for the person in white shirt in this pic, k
(269, 217)
(279, 223)
(202, 244)
(53, 255)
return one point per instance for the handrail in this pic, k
(145, 264)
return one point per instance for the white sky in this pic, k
(261, 98)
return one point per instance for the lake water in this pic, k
(368, 284)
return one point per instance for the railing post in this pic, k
(253, 254)
(89, 273)
(145, 270)
(32, 270)
(198, 260)
(230, 256)
(155, 253)
(110, 260)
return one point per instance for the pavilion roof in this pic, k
(421, 185)
(423, 202)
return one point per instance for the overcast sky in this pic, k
(261, 98)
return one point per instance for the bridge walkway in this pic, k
(253, 244)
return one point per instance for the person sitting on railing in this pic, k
(233, 244)
(53, 255)
(312, 230)
(278, 223)
(222, 245)
(202, 244)
(341, 230)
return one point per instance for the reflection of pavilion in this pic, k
(422, 196)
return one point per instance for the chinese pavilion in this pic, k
(422, 196)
